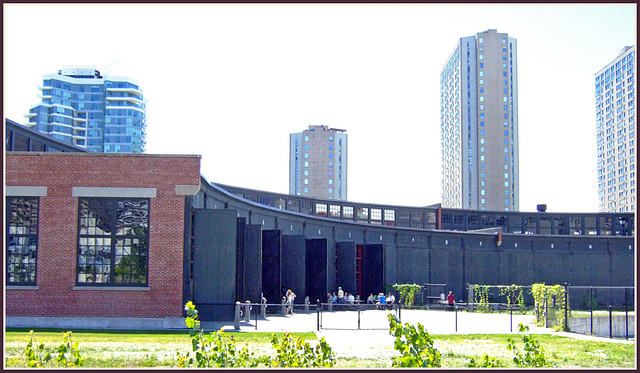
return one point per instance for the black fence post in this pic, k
(546, 307)
(591, 299)
(358, 308)
(566, 307)
(455, 308)
(319, 308)
(257, 319)
(511, 319)
(610, 323)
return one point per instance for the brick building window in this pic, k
(113, 241)
(21, 240)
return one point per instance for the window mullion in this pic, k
(114, 217)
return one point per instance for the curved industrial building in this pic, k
(106, 238)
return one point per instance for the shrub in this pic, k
(39, 357)
(299, 354)
(217, 350)
(533, 355)
(416, 346)
(485, 362)
(213, 350)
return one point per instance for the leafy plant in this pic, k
(485, 362)
(297, 353)
(67, 347)
(39, 357)
(213, 350)
(407, 292)
(415, 345)
(533, 355)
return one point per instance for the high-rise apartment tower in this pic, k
(479, 124)
(104, 114)
(318, 163)
(616, 133)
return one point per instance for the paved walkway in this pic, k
(369, 335)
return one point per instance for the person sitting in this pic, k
(390, 300)
(381, 300)
(451, 300)
(370, 299)
(351, 299)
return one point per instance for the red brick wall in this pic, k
(57, 240)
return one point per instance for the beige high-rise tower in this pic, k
(615, 131)
(479, 124)
(318, 163)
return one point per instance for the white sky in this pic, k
(231, 82)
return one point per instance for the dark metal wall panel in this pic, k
(482, 266)
(268, 222)
(372, 269)
(319, 230)
(446, 268)
(240, 234)
(623, 270)
(413, 266)
(252, 279)
(271, 265)
(390, 269)
(293, 265)
(214, 270)
(413, 239)
(349, 234)
(346, 266)
(316, 285)
(291, 227)
(380, 236)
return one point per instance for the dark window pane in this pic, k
(113, 241)
(21, 240)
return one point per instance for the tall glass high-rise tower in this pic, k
(616, 133)
(479, 124)
(318, 163)
(104, 114)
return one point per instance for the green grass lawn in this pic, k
(158, 349)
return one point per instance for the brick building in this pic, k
(107, 231)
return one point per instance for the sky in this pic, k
(231, 82)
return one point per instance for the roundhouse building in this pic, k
(105, 240)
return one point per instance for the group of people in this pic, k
(380, 300)
(343, 297)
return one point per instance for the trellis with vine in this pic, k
(549, 297)
(407, 292)
(514, 296)
(481, 297)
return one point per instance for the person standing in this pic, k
(340, 295)
(290, 298)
